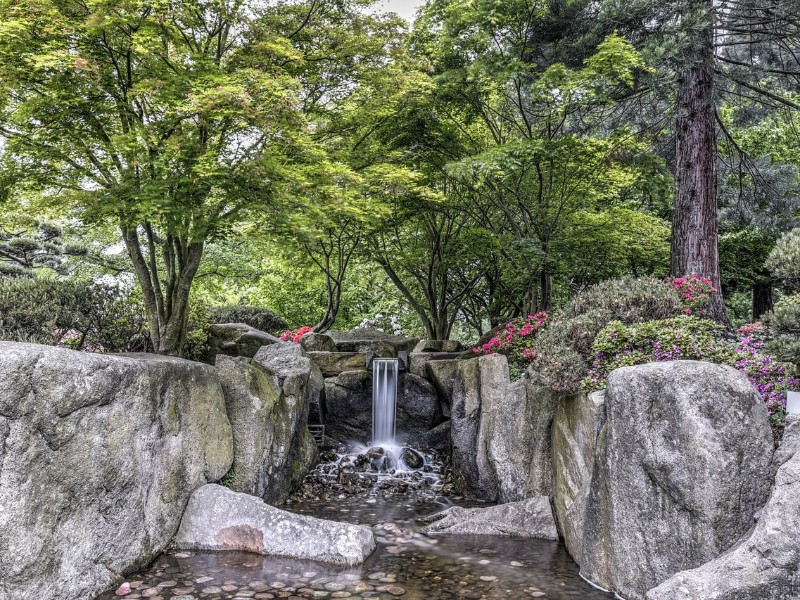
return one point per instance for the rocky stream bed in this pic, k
(379, 488)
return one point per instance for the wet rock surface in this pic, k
(406, 564)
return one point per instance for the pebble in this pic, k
(123, 590)
(488, 578)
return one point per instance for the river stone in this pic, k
(529, 518)
(682, 464)
(317, 342)
(576, 423)
(765, 563)
(335, 363)
(220, 519)
(100, 454)
(269, 430)
(479, 389)
(235, 339)
(519, 440)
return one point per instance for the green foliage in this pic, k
(564, 348)
(683, 337)
(255, 316)
(75, 314)
(784, 260)
(783, 329)
(39, 247)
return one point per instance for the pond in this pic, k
(406, 564)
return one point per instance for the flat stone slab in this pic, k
(220, 519)
(531, 518)
(335, 363)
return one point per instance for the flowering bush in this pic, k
(295, 335)
(687, 337)
(694, 293)
(515, 340)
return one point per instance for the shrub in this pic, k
(294, 335)
(515, 340)
(694, 293)
(784, 260)
(687, 337)
(73, 314)
(782, 332)
(564, 348)
(255, 316)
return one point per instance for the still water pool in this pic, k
(406, 564)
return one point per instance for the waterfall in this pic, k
(384, 399)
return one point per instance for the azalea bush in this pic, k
(516, 341)
(687, 337)
(294, 335)
(694, 293)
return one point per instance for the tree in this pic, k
(22, 250)
(175, 120)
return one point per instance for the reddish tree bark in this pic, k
(694, 248)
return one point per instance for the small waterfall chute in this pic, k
(384, 400)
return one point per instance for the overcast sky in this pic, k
(404, 8)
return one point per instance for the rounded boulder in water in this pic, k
(413, 459)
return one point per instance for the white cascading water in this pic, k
(384, 400)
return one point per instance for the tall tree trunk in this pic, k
(694, 248)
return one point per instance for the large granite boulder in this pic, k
(442, 373)
(300, 380)
(418, 361)
(269, 430)
(766, 563)
(98, 457)
(519, 440)
(479, 389)
(220, 519)
(682, 464)
(530, 518)
(372, 341)
(348, 404)
(574, 431)
(235, 339)
(349, 407)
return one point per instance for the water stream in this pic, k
(384, 400)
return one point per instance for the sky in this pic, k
(404, 8)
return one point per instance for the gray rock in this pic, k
(682, 464)
(519, 440)
(437, 438)
(269, 430)
(299, 378)
(443, 373)
(530, 518)
(766, 563)
(349, 406)
(317, 342)
(378, 343)
(332, 364)
(348, 403)
(220, 519)
(438, 346)
(100, 454)
(418, 361)
(575, 427)
(235, 339)
(418, 408)
(479, 387)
